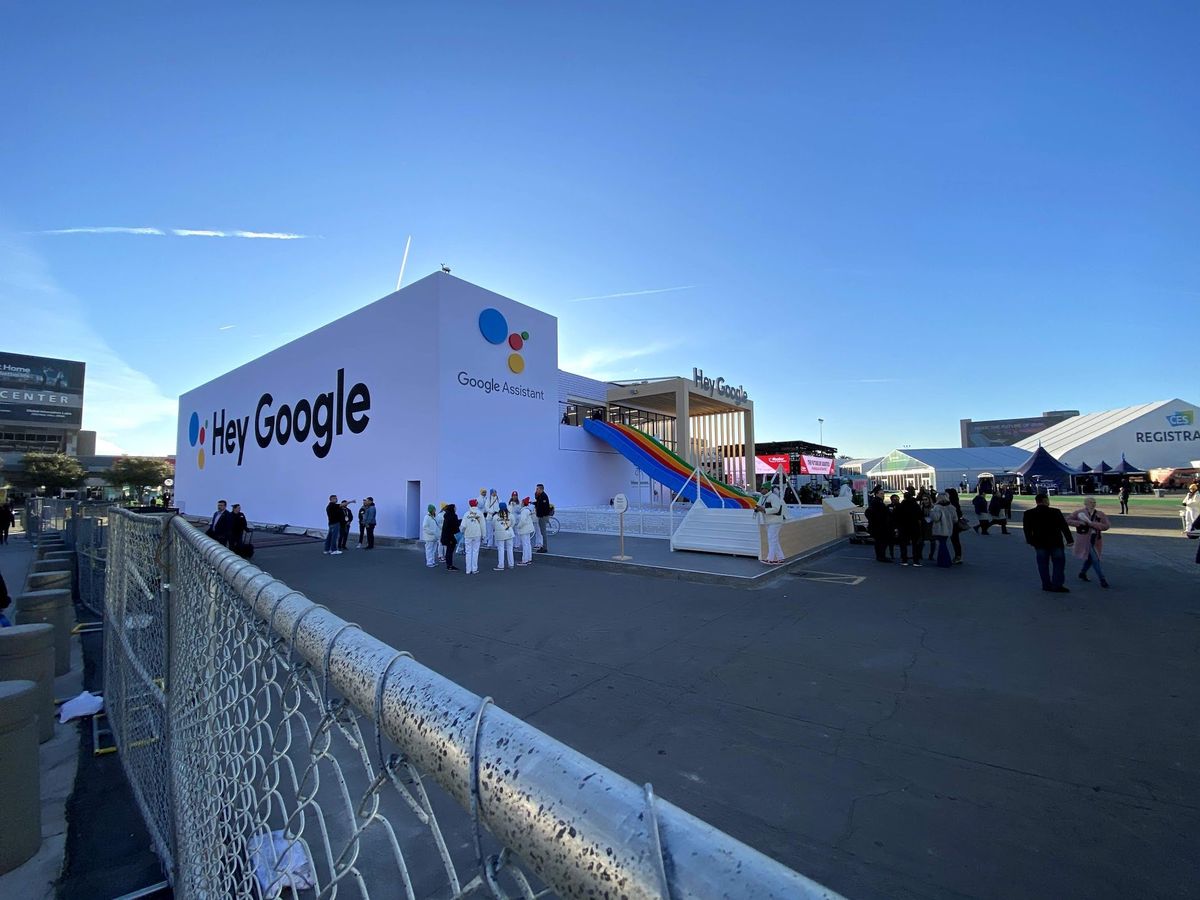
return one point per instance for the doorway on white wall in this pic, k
(412, 511)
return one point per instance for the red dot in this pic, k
(514, 341)
(201, 437)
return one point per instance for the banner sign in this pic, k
(41, 390)
(816, 465)
(774, 460)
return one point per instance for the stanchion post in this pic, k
(620, 504)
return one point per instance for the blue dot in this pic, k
(194, 429)
(493, 326)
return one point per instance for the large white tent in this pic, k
(1165, 433)
(938, 468)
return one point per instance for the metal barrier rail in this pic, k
(269, 741)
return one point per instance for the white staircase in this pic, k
(730, 531)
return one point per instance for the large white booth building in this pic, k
(424, 396)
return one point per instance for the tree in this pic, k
(138, 472)
(51, 471)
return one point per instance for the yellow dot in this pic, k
(200, 458)
(516, 362)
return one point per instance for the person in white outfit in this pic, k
(1191, 507)
(439, 519)
(472, 530)
(489, 514)
(431, 533)
(504, 538)
(526, 526)
(773, 512)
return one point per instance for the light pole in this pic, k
(821, 425)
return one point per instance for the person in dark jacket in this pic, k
(1045, 530)
(238, 526)
(980, 504)
(220, 524)
(910, 527)
(333, 512)
(1123, 496)
(4, 601)
(542, 509)
(6, 521)
(347, 521)
(956, 536)
(893, 509)
(451, 524)
(996, 511)
(369, 516)
(879, 524)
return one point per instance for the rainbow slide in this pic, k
(664, 466)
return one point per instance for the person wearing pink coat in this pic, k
(1090, 524)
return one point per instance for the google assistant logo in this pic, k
(196, 436)
(494, 328)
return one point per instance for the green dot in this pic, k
(524, 335)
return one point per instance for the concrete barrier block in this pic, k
(20, 777)
(51, 565)
(59, 554)
(27, 654)
(47, 581)
(52, 607)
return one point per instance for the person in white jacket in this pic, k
(431, 533)
(772, 510)
(1191, 507)
(489, 514)
(504, 538)
(526, 526)
(472, 530)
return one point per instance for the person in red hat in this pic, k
(525, 530)
(472, 529)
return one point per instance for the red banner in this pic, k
(774, 460)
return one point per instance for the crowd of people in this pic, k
(929, 524)
(490, 523)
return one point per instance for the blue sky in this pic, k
(890, 216)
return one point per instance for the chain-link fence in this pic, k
(270, 743)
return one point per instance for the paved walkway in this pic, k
(892, 732)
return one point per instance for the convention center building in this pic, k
(431, 394)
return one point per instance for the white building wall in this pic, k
(447, 416)
(289, 482)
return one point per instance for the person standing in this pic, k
(489, 515)
(6, 521)
(879, 524)
(893, 509)
(1191, 506)
(472, 530)
(996, 511)
(772, 510)
(1045, 530)
(1006, 496)
(956, 534)
(909, 526)
(980, 504)
(503, 532)
(333, 512)
(926, 499)
(369, 515)
(238, 526)
(943, 520)
(221, 522)
(525, 529)
(441, 519)
(347, 521)
(431, 531)
(543, 510)
(1090, 525)
(450, 525)
(362, 525)
(1123, 495)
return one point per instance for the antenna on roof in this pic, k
(404, 262)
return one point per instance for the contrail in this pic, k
(682, 287)
(179, 232)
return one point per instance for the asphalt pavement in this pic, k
(891, 732)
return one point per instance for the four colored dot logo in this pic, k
(196, 437)
(494, 328)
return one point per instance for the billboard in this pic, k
(40, 390)
(1005, 432)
